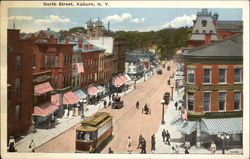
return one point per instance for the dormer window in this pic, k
(196, 32)
(211, 32)
(204, 23)
(204, 31)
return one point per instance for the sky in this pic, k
(127, 19)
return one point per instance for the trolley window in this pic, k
(85, 136)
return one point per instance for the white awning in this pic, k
(187, 127)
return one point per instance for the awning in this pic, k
(222, 125)
(92, 90)
(102, 89)
(117, 81)
(81, 94)
(70, 98)
(42, 88)
(177, 120)
(123, 78)
(80, 68)
(45, 109)
(187, 127)
(127, 76)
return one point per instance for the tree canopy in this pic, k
(166, 40)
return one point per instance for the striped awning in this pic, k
(80, 93)
(102, 89)
(177, 120)
(70, 98)
(45, 109)
(93, 90)
(123, 78)
(117, 81)
(187, 127)
(222, 125)
(42, 88)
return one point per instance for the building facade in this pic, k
(213, 92)
(20, 86)
(119, 56)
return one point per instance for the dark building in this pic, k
(20, 85)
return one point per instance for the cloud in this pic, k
(20, 18)
(185, 20)
(53, 19)
(123, 17)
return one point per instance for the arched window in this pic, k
(211, 32)
(204, 23)
(196, 31)
(204, 31)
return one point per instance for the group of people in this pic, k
(146, 109)
(166, 137)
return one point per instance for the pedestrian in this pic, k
(168, 138)
(137, 104)
(32, 145)
(173, 149)
(113, 97)
(187, 144)
(140, 141)
(109, 103)
(129, 146)
(12, 144)
(143, 146)
(91, 149)
(163, 134)
(52, 121)
(110, 150)
(105, 103)
(213, 147)
(153, 142)
(109, 96)
(186, 150)
(176, 105)
(176, 149)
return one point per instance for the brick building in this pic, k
(20, 86)
(228, 28)
(213, 92)
(119, 56)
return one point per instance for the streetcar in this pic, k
(94, 133)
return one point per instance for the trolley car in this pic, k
(94, 132)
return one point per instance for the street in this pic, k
(127, 121)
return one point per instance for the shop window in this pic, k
(18, 85)
(237, 75)
(17, 112)
(18, 62)
(206, 101)
(222, 100)
(222, 75)
(237, 100)
(207, 75)
(190, 103)
(191, 75)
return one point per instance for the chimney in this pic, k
(207, 38)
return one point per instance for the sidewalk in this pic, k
(44, 135)
(176, 137)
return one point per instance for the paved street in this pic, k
(127, 121)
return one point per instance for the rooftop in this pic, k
(229, 25)
(231, 47)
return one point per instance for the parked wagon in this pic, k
(117, 103)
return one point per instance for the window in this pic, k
(196, 32)
(207, 75)
(73, 79)
(56, 61)
(191, 73)
(18, 62)
(46, 60)
(222, 100)
(236, 100)
(34, 61)
(65, 60)
(52, 62)
(211, 32)
(17, 113)
(222, 75)
(204, 31)
(190, 101)
(204, 23)
(206, 101)
(237, 75)
(18, 85)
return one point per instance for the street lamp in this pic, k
(223, 137)
(162, 119)
(172, 87)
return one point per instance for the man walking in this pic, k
(104, 103)
(140, 141)
(143, 146)
(163, 134)
(168, 138)
(137, 104)
(176, 105)
(153, 142)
